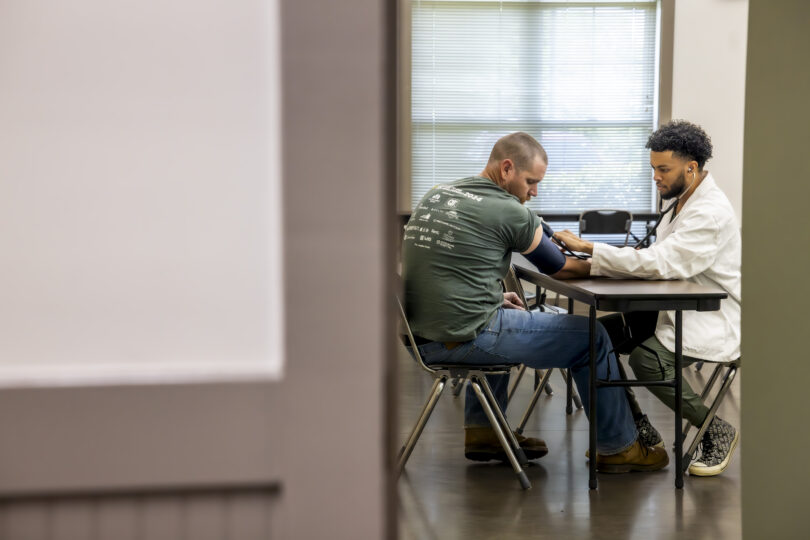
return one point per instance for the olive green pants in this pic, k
(646, 367)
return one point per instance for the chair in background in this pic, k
(476, 377)
(728, 370)
(606, 222)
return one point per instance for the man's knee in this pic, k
(603, 337)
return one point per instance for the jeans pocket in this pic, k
(494, 323)
(488, 337)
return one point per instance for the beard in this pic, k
(517, 192)
(676, 189)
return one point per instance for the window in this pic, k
(579, 76)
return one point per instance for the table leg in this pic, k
(679, 399)
(569, 379)
(592, 393)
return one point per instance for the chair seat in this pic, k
(737, 362)
(489, 368)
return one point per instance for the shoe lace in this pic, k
(706, 447)
(644, 430)
(645, 450)
(710, 449)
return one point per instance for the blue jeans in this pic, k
(543, 341)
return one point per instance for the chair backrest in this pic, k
(606, 222)
(408, 335)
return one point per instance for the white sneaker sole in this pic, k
(698, 469)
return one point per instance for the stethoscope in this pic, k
(661, 214)
(658, 221)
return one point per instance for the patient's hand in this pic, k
(512, 301)
(573, 242)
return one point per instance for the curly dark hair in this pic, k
(684, 139)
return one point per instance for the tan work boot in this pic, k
(481, 444)
(636, 458)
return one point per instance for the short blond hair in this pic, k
(520, 147)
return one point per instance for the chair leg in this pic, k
(430, 404)
(705, 393)
(521, 371)
(533, 402)
(569, 396)
(458, 385)
(574, 393)
(570, 392)
(708, 388)
(727, 380)
(538, 374)
(475, 382)
(521, 455)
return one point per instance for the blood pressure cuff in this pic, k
(546, 256)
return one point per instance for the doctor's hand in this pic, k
(512, 301)
(573, 242)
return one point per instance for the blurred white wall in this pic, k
(139, 188)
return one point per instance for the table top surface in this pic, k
(606, 292)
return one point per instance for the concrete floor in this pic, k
(444, 496)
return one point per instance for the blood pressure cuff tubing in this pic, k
(546, 257)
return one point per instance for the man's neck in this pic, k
(492, 174)
(685, 197)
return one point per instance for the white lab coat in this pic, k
(702, 244)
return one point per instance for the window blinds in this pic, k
(578, 76)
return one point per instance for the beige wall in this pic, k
(339, 181)
(216, 514)
(708, 85)
(776, 236)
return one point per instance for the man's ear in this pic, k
(507, 168)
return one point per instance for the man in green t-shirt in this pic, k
(457, 248)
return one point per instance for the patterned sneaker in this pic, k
(716, 448)
(647, 434)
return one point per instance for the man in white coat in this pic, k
(698, 241)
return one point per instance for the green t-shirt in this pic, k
(456, 250)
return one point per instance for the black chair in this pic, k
(606, 222)
(476, 375)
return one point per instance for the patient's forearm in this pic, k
(574, 268)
